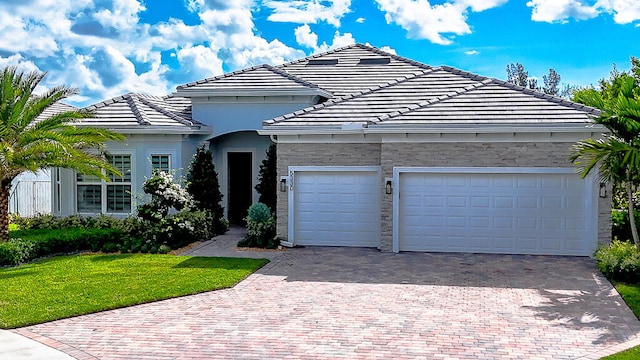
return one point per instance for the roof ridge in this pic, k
(218, 77)
(139, 113)
(361, 46)
(294, 78)
(349, 96)
(107, 102)
(450, 95)
(165, 112)
(313, 56)
(395, 56)
(555, 99)
(536, 93)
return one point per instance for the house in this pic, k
(373, 150)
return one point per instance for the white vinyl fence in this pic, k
(30, 196)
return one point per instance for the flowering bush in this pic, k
(170, 218)
(165, 195)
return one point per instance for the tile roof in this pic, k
(55, 109)
(144, 111)
(350, 74)
(370, 105)
(440, 96)
(258, 78)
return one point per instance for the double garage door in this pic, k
(508, 211)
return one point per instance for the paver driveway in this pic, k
(360, 303)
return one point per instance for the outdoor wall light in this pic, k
(283, 184)
(603, 190)
(388, 188)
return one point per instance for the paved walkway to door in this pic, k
(339, 303)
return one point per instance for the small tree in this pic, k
(29, 142)
(203, 185)
(617, 154)
(267, 179)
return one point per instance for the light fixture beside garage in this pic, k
(283, 183)
(388, 186)
(603, 190)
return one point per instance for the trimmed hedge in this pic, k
(27, 245)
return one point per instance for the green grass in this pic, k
(631, 295)
(13, 227)
(66, 286)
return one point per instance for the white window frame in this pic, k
(104, 186)
(160, 152)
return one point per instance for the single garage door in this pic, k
(337, 208)
(486, 212)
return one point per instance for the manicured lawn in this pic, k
(631, 295)
(66, 286)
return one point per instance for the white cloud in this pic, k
(360, 20)
(425, 21)
(481, 5)
(307, 38)
(472, 52)
(623, 11)
(560, 10)
(104, 49)
(200, 61)
(389, 49)
(308, 11)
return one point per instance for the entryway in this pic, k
(239, 185)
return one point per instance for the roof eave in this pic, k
(166, 130)
(459, 129)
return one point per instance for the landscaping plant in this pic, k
(170, 219)
(267, 179)
(203, 186)
(261, 228)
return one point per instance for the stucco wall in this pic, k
(140, 147)
(243, 141)
(247, 114)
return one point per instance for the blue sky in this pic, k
(107, 48)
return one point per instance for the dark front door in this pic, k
(240, 186)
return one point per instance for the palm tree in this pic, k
(617, 154)
(30, 141)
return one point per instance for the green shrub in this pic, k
(620, 224)
(163, 249)
(619, 261)
(16, 251)
(261, 228)
(48, 242)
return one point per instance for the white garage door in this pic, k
(509, 213)
(337, 208)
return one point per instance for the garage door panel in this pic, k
(336, 208)
(521, 213)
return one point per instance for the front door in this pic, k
(240, 186)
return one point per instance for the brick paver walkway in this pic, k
(360, 303)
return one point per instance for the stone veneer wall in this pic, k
(425, 154)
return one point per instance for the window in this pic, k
(161, 163)
(97, 196)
